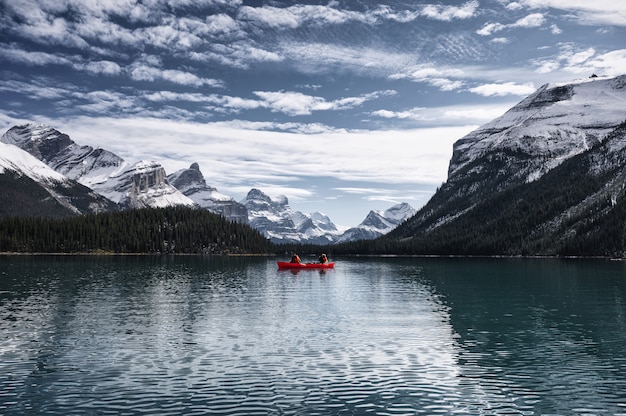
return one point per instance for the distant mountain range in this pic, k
(547, 177)
(45, 173)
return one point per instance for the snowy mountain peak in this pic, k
(256, 197)
(32, 188)
(15, 159)
(142, 184)
(399, 212)
(550, 126)
(378, 223)
(192, 184)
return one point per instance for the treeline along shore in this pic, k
(186, 230)
(172, 230)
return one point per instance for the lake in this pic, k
(133, 335)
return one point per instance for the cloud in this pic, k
(441, 78)
(456, 115)
(296, 103)
(37, 89)
(448, 13)
(100, 67)
(33, 58)
(502, 89)
(597, 12)
(142, 72)
(572, 59)
(295, 16)
(611, 64)
(530, 21)
(232, 157)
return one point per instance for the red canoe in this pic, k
(288, 265)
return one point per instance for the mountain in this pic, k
(113, 183)
(378, 223)
(278, 222)
(192, 184)
(545, 178)
(139, 185)
(32, 188)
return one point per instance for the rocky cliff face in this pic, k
(192, 184)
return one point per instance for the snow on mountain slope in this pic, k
(85, 164)
(139, 185)
(45, 192)
(278, 222)
(551, 125)
(15, 159)
(378, 223)
(143, 185)
(192, 184)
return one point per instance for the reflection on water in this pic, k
(192, 335)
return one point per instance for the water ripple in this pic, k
(370, 338)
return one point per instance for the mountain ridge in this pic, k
(143, 184)
(568, 139)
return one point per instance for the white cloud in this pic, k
(597, 12)
(573, 60)
(490, 28)
(297, 15)
(448, 13)
(611, 64)
(142, 72)
(442, 78)
(32, 57)
(231, 157)
(457, 115)
(530, 21)
(100, 67)
(502, 89)
(296, 103)
(37, 89)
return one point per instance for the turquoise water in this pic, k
(235, 336)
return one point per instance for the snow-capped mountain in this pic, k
(378, 223)
(32, 188)
(117, 184)
(278, 222)
(143, 184)
(547, 177)
(551, 125)
(192, 184)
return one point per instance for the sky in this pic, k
(341, 106)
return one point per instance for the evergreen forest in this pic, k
(173, 230)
